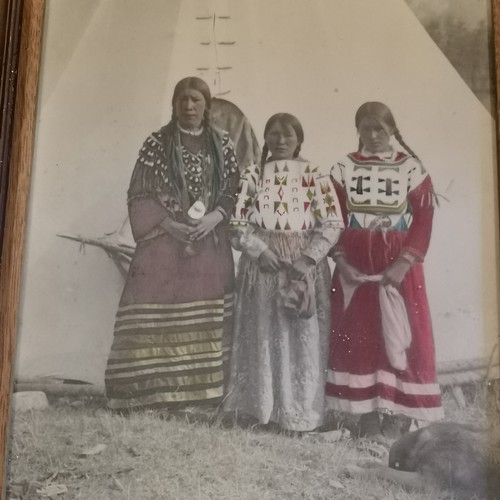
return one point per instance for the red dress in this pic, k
(389, 202)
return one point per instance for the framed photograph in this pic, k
(91, 125)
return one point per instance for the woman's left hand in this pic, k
(202, 227)
(394, 274)
(300, 268)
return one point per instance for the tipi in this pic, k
(108, 70)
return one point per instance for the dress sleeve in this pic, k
(337, 174)
(242, 231)
(231, 176)
(329, 218)
(421, 201)
(145, 216)
(146, 210)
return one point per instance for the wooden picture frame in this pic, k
(15, 200)
(25, 18)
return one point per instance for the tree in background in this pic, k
(462, 30)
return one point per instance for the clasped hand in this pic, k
(300, 267)
(202, 227)
(395, 273)
(350, 274)
(193, 230)
(269, 262)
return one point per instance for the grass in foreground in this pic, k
(86, 452)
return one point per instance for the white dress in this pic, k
(278, 360)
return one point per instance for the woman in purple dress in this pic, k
(176, 305)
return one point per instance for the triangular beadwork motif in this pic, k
(325, 187)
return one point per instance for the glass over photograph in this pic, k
(261, 254)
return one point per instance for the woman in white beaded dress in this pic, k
(285, 221)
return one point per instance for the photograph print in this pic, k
(261, 253)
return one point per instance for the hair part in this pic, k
(285, 120)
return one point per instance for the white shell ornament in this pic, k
(197, 210)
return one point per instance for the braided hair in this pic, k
(285, 120)
(381, 113)
(399, 138)
(265, 152)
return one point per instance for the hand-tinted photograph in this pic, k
(261, 254)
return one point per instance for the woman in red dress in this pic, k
(389, 200)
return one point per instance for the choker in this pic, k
(194, 132)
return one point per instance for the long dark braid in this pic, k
(213, 148)
(399, 138)
(206, 133)
(205, 149)
(263, 158)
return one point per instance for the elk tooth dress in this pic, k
(175, 308)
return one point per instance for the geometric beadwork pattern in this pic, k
(287, 195)
(383, 185)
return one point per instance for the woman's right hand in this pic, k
(269, 261)
(348, 272)
(179, 231)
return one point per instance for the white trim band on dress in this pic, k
(169, 315)
(183, 305)
(381, 377)
(381, 404)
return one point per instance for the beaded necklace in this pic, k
(194, 132)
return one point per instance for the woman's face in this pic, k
(282, 141)
(189, 108)
(374, 136)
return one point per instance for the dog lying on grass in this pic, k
(445, 456)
